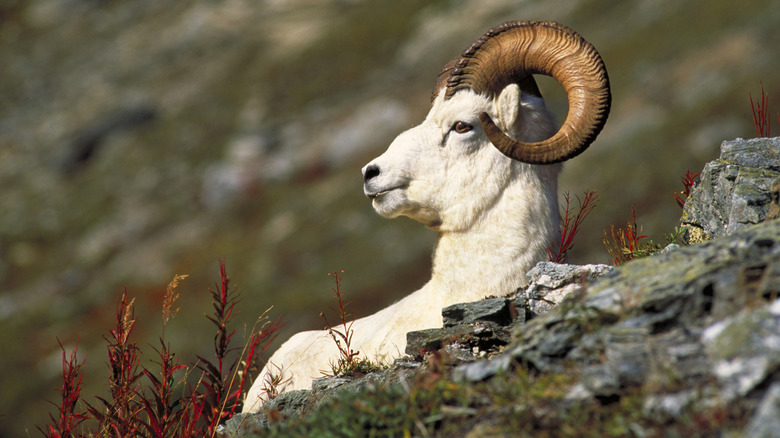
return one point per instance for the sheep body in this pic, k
(495, 218)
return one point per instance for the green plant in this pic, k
(163, 419)
(676, 236)
(275, 382)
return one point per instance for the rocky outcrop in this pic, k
(706, 314)
(693, 328)
(735, 191)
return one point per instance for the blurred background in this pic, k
(144, 139)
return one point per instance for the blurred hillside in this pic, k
(144, 139)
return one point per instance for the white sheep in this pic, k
(495, 216)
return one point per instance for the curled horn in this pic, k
(511, 53)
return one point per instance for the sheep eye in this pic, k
(462, 127)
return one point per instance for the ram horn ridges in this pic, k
(511, 53)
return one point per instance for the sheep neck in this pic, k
(492, 257)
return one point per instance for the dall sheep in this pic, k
(481, 170)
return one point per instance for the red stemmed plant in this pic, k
(163, 418)
(626, 243)
(224, 381)
(155, 409)
(761, 114)
(348, 362)
(69, 418)
(119, 415)
(688, 180)
(570, 224)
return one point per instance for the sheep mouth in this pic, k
(376, 195)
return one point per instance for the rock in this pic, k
(498, 310)
(550, 283)
(287, 404)
(745, 349)
(737, 190)
(765, 423)
(658, 326)
(324, 383)
(466, 342)
(760, 153)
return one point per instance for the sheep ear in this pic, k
(508, 107)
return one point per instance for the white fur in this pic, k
(495, 218)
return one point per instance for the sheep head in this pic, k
(488, 96)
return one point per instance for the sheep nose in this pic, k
(370, 171)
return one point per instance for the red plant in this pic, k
(626, 243)
(570, 224)
(162, 417)
(688, 180)
(155, 410)
(223, 386)
(69, 418)
(343, 338)
(761, 114)
(119, 416)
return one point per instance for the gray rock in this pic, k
(474, 338)
(652, 323)
(765, 423)
(482, 370)
(668, 406)
(550, 283)
(329, 382)
(287, 404)
(763, 153)
(498, 310)
(745, 349)
(736, 190)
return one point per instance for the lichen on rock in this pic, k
(737, 190)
